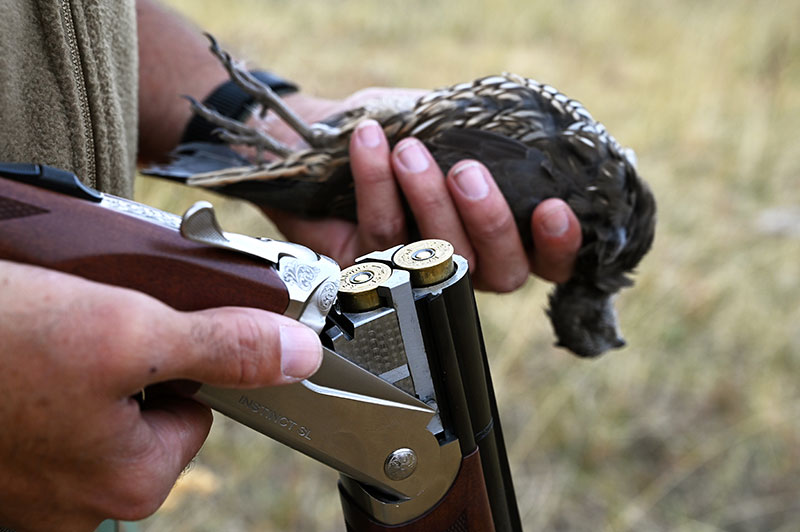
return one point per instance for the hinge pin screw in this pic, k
(400, 464)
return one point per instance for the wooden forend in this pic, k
(465, 508)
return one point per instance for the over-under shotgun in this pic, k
(403, 404)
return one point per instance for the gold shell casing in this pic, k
(358, 286)
(428, 261)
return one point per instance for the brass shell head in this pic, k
(358, 286)
(428, 261)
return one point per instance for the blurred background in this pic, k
(693, 426)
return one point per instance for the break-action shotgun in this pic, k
(402, 406)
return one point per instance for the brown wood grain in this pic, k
(75, 236)
(465, 507)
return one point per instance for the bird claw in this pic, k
(232, 131)
(316, 135)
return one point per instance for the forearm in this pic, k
(173, 60)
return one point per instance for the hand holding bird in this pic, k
(536, 143)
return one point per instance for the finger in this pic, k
(426, 191)
(332, 237)
(232, 347)
(502, 264)
(379, 207)
(556, 240)
(173, 431)
(180, 426)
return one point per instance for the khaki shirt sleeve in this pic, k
(68, 88)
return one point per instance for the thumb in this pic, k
(238, 348)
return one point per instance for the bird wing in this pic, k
(196, 158)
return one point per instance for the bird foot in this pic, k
(232, 131)
(316, 135)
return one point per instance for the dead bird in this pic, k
(536, 142)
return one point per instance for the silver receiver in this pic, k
(311, 279)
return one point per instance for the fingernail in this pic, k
(471, 180)
(301, 352)
(369, 133)
(555, 221)
(412, 157)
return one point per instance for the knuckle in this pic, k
(499, 282)
(551, 269)
(387, 231)
(377, 172)
(137, 505)
(510, 281)
(345, 251)
(237, 341)
(430, 203)
(117, 329)
(248, 348)
(494, 225)
(556, 273)
(137, 498)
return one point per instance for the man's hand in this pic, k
(75, 446)
(465, 207)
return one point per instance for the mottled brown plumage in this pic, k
(536, 142)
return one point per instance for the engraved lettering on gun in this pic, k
(282, 421)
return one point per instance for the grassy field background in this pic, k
(695, 425)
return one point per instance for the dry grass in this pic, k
(695, 425)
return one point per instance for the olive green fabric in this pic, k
(68, 91)
(68, 87)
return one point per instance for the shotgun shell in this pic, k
(428, 261)
(358, 286)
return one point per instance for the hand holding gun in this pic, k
(402, 404)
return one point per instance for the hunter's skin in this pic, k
(73, 352)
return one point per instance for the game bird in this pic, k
(536, 142)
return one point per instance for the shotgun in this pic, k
(402, 406)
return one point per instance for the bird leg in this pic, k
(234, 132)
(316, 135)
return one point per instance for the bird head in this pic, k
(584, 319)
(618, 216)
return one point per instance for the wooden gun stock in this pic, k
(54, 230)
(465, 508)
